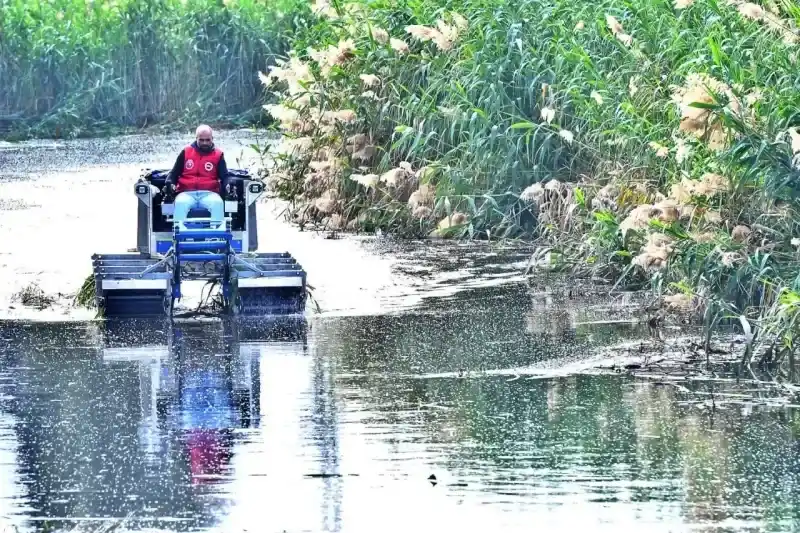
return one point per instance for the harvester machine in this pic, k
(148, 282)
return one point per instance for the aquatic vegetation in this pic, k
(33, 296)
(70, 67)
(85, 296)
(653, 145)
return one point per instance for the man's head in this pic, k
(205, 138)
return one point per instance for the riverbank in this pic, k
(628, 154)
(46, 201)
(23, 131)
(644, 170)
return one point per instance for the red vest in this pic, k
(199, 170)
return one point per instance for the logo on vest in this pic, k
(209, 166)
(190, 164)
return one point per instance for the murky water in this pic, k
(338, 425)
(433, 393)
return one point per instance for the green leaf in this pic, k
(703, 105)
(580, 197)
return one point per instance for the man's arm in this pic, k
(177, 168)
(222, 175)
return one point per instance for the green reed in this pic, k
(72, 66)
(479, 115)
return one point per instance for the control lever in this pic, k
(168, 193)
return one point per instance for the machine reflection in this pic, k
(199, 381)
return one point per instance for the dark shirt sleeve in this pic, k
(222, 174)
(175, 173)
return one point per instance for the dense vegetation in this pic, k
(643, 142)
(69, 67)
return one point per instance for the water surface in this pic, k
(339, 425)
(434, 392)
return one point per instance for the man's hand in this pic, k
(168, 191)
(230, 192)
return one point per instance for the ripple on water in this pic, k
(203, 429)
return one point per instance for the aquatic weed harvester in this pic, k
(147, 283)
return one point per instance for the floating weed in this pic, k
(33, 296)
(86, 294)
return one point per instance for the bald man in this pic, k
(199, 177)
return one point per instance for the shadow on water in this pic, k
(487, 329)
(378, 423)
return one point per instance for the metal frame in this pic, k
(146, 192)
(198, 249)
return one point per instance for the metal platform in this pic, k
(131, 285)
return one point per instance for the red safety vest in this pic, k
(199, 170)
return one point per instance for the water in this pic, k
(426, 361)
(337, 426)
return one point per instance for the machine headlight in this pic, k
(255, 188)
(142, 189)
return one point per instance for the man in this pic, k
(199, 176)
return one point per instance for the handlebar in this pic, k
(168, 193)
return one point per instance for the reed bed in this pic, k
(651, 144)
(71, 67)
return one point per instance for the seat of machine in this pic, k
(199, 213)
(235, 177)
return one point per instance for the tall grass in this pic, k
(647, 142)
(67, 66)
